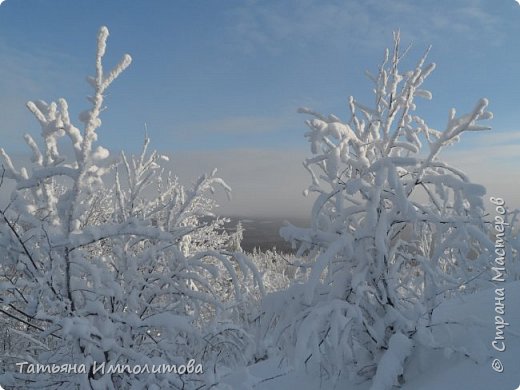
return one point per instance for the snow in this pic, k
(444, 368)
(391, 364)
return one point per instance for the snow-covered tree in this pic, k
(394, 231)
(112, 263)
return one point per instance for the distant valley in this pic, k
(263, 233)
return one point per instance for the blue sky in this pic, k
(218, 83)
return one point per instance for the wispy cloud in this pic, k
(272, 25)
(503, 139)
(15, 88)
(26, 76)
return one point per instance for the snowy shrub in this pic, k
(278, 269)
(394, 231)
(112, 263)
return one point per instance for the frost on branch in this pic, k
(112, 262)
(394, 230)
